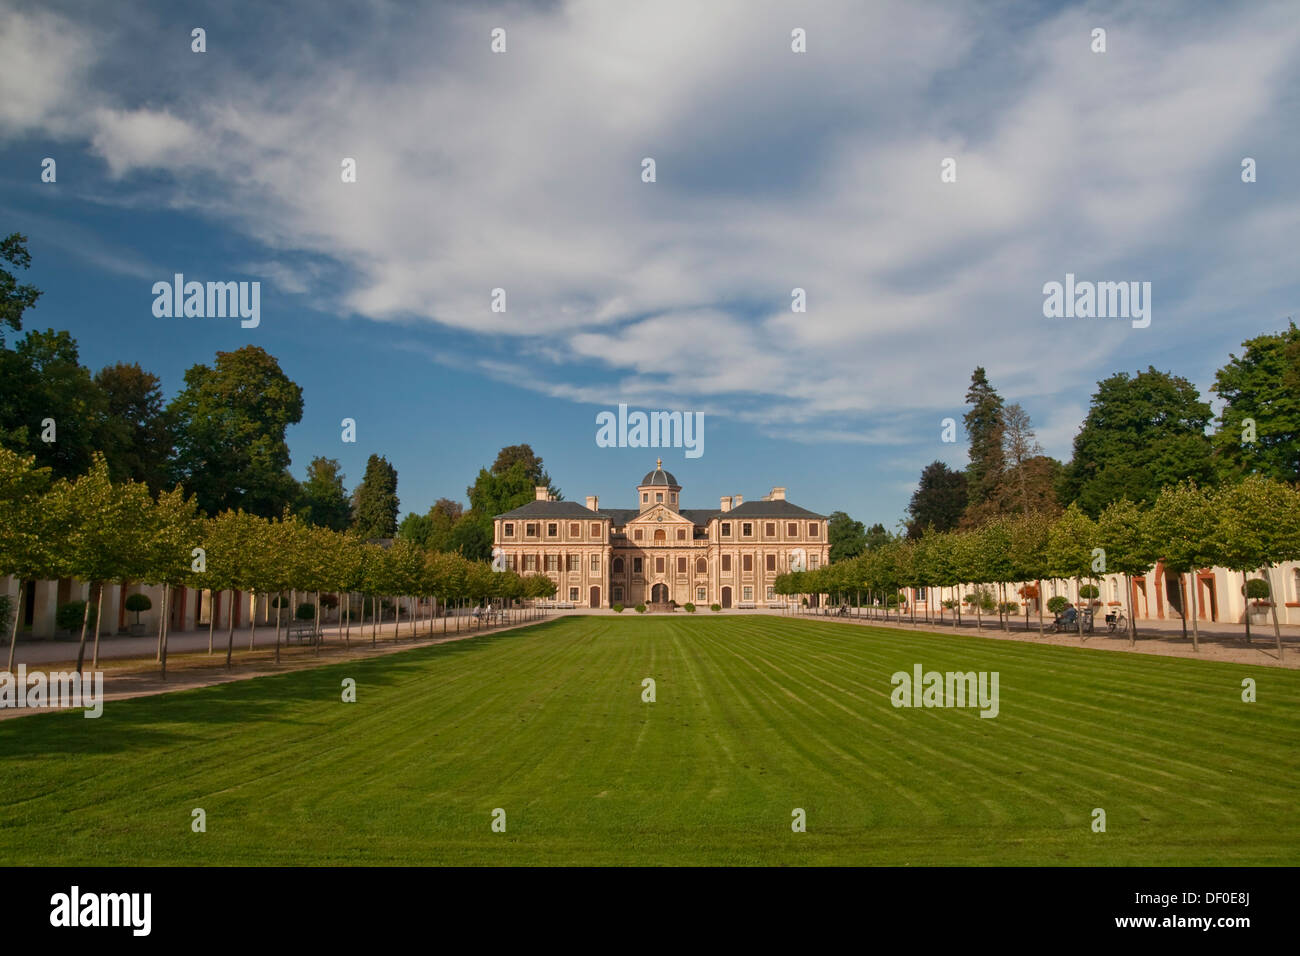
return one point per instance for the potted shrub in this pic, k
(640, 608)
(1057, 604)
(329, 601)
(1090, 593)
(1257, 593)
(69, 617)
(689, 607)
(137, 603)
(617, 608)
(306, 611)
(718, 607)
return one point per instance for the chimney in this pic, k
(778, 494)
(726, 503)
(542, 492)
(739, 500)
(593, 503)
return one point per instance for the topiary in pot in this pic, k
(689, 607)
(617, 609)
(718, 607)
(137, 603)
(640, 608)
(306, 611)
(1057, 604)
(70, 616)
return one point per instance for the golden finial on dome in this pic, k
(659, 464)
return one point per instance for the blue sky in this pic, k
(775, 170)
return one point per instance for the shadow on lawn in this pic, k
(299, 698)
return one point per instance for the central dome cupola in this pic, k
(658, 487)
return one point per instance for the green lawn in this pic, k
(755, 716)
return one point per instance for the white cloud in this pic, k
(775, 170)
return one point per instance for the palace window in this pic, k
(660, 536)
(812, 529)
(920, 594)
(726, 529)
(771, 594)
(595, 529)
(814, 562)
(552, 562)
(681, 534)
(637, 534)
(792, 529)
(659, 565)
(571, 562)
(552, 529)
(701, 594)
(673, 497)
(1114, 590)
(747, 530)
(681, 565)
(575, 530)
(509, 527)
(595, 564)
(618, 565)
(771, 562)
(645, 497)
(636, 565)
(618, 594)
(769, 529)
(747, 562)
(701, 566)
(573, 594)
(530, 530)
(530, 562)
(726, 562)
(659, 497)
(749, 594)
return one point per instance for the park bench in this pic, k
(302, 630)
(746, 605)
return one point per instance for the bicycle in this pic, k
(1117, 622)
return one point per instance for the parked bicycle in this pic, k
(1116, 622)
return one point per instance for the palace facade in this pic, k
(659, 552)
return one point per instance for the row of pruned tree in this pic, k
(1249, 526)
(103, 532)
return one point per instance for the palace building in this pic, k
(658, 552)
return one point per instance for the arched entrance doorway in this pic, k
(659, 594)
(726, 597)
(595, 597)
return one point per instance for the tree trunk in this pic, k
(99, 615)
(318, 634)
(85, 620)
(1245, 599)
(212, 616)
(230, 630)
(161, 617)
(1039, 602)
(347, 629)
(1132, 621)
(1195, 600)
(1272, 600)
(279, 597)
(375, 620)
(252, 619)
(17, 609)
(165, 629)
